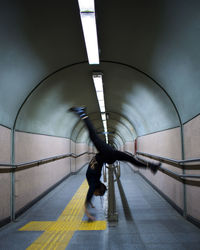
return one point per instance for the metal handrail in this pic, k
(177, 162)
(182, 176)
(16, 166)
(111, 212)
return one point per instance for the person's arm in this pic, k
(90, 217)
(91, 204)
(88, 201)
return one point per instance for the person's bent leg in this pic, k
(101, 146)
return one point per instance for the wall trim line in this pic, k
(159, 131)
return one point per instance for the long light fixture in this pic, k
(88, 20)
(98, 84)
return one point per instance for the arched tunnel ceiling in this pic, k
(40, 40)
(127, 92)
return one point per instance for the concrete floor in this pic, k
(146, 221)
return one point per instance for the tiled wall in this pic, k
(5, 151)
(167, 144)
(80, 161)
(192, 150)
(129, 147)
(31, 183)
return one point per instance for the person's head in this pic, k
(100, 190)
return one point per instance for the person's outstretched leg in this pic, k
(122, 156)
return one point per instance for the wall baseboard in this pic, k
(5, 221)
(193, 220)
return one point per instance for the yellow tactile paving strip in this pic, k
(57, 234)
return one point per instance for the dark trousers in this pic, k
(106, 153)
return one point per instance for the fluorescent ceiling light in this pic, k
(101, 103)
(86, 5)
(90, 35)
(100, 96)
(98, 83)
(103, 116)
(105, 124)
(88, 20)
(102, 109)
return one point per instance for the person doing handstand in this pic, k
(106, 154)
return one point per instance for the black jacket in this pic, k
(93, 176)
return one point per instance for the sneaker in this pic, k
(154, 167)
(80, 111)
